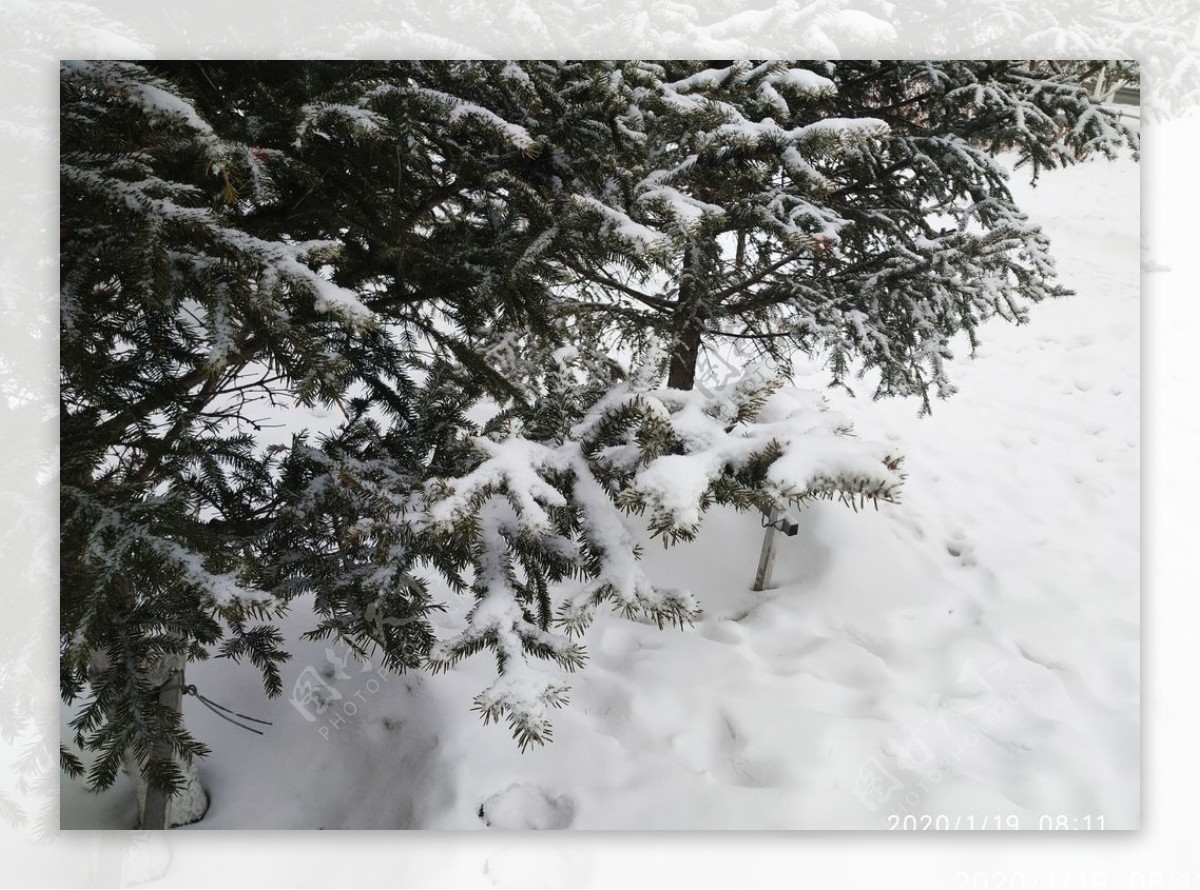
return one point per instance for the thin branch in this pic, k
(171, 392)
(596, 277)
(161, 447)
(740, 286)
(763, 336)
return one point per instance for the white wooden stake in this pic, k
(158, 811)
(155, 810)
(170, 696)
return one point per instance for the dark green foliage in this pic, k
(199, 204)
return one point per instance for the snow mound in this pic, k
(523, 806)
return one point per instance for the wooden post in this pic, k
(155, 812)
(766, 560)
(158, 811)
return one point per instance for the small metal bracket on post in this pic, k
(773, 522)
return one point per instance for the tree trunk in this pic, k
(682, 374)
(686, 348)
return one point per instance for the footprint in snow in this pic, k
(961, 549)
(524, 807)
(741, 769)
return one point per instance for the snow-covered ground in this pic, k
(968, 658)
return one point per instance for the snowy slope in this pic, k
(970, 654)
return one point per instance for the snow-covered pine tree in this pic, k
(175, 322)
(854, 208)
(242, 238)
(233, 238)
(934, 243)
(412, 241)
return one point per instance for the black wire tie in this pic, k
(217, 709)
